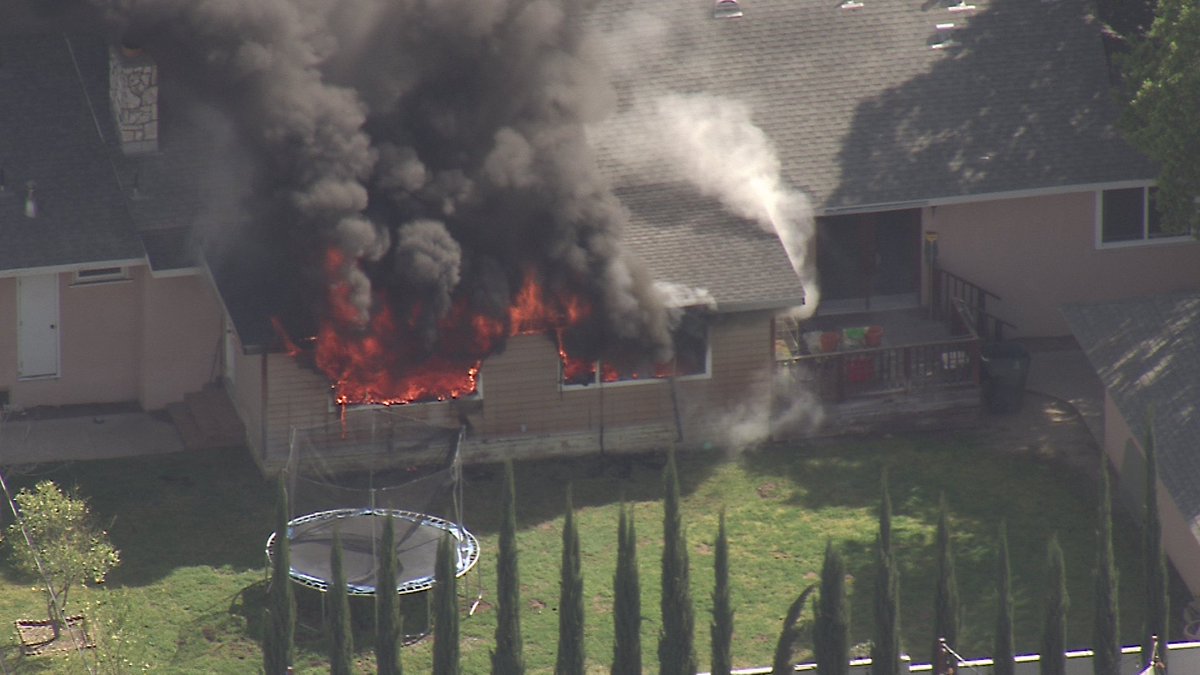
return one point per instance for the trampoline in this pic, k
(310, 540)
(349, 477)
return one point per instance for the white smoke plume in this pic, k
(713, 144)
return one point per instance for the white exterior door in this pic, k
(37, 326)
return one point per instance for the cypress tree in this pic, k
(341, 640)
(387, 605)
(1003, 656)
(1154, 559)
(627, 600)
(1003, 652)
(945, 603)
(570, 659)
(280, 615)
(446, 658)
(676, 650)
(1105, 634)
(831, 626)
(1054, 629)
(508, 658)
(721, 629)
(786, 647)
(885, 647)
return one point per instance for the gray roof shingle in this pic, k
(48, 136)
(864, 112)
(1147, 353)
(687, 239)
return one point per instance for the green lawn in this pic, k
(187, 597)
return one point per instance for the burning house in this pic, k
(573, 226)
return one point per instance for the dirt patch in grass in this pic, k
(37, 636)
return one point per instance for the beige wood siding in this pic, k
(246, 392)
(521, 397)
(522, 394)
(296, 397)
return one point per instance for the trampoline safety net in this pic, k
(350, 475)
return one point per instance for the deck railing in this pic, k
(951, 291)
(877, 371)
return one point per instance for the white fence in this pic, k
(1183, 658)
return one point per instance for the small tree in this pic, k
(280, 614)
(831, 626)
(785, 648)
(1105, 634)
(627, 600)
(570, 659)
(1153, 557)
(508, 658)
(945, 603)
(721, 629)
(1003, 657)
(341, 636)
(676, 650)
(1053, 660)
(446, 655)
(57, 540)
(885, 648)
(387, 607)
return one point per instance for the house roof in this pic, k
(690, 240)
(862, 109)
(1147, 353)
(48, 135)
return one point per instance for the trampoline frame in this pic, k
(468, 548)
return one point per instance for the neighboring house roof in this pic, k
(690, 240)
(48, 135)
(863, 111)
(1147, 353)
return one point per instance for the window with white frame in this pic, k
(692, 359)
(1130, 215)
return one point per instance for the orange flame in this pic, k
(384, 361)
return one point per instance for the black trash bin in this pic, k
(1005, 370)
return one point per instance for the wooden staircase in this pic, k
(207, 420)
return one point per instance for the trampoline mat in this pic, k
(361, 530)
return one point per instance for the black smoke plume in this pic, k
(437, 144)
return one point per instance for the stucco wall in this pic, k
(141, 339)
(100, 338)
(1038, 253)
(1180, 534)
(181, 331)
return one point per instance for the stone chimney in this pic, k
(133, 93)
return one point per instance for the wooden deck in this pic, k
(916, 374)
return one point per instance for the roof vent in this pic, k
(727, 9)
(850, 4)
(961, 6)
(944, 37)
(30, 202)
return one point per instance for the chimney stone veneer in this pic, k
(133, 93)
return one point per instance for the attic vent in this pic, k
(727, 9)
